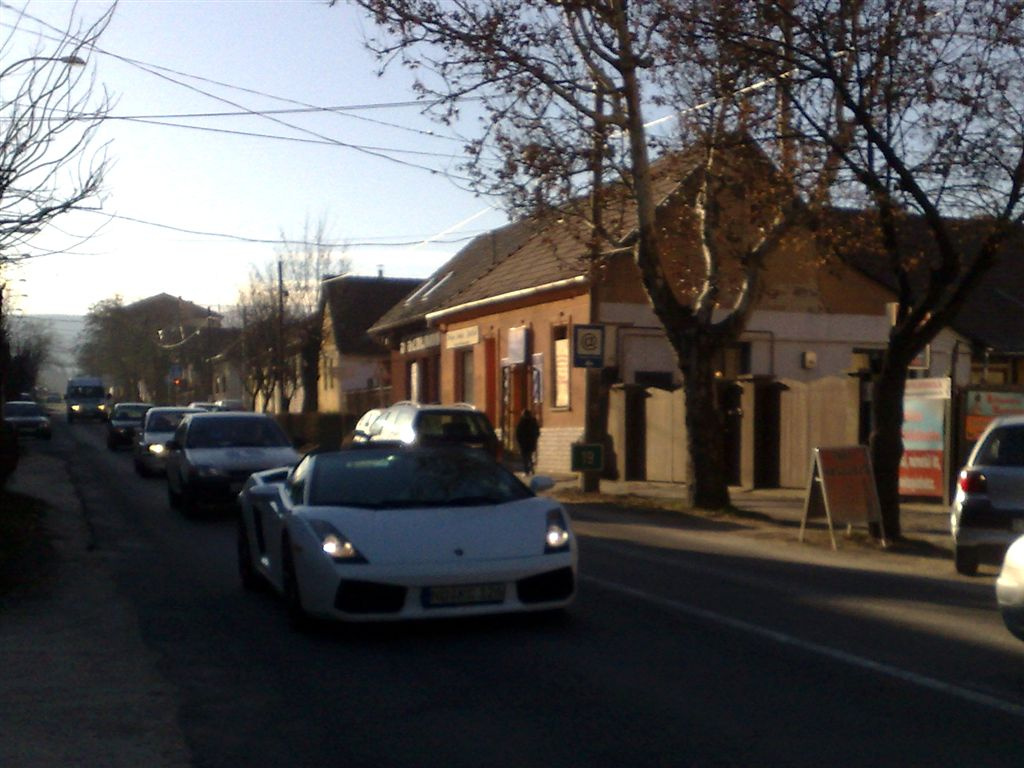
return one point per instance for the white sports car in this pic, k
(379, 532)
(1010, 588)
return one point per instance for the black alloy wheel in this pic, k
(297, 616)
(252, 581)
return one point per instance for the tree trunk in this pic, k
(886, 442)
(705, 430)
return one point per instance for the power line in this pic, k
(368, 243)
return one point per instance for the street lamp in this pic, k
(73, 60)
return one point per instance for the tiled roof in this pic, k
(165, 304)
(526, 254)
(993, 314)
(478, 258)
(356, 302)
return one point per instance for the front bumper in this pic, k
(33, 429)
(364, 593)
(218, 489)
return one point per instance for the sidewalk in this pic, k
(925, 524)
(79, 687)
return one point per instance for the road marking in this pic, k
(782, 638)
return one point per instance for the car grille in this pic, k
(546, 587)
(369, 597)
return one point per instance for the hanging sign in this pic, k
(588, 346)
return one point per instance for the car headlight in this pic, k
(76, 407)
(334, 544)
(556, 536)
(156, 448)
(211, 472)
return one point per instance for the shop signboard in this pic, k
(925, 419)
(982, 406)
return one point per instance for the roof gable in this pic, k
(354, 303)
(993, 313)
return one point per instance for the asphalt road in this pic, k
(692, 643)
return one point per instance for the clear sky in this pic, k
(377, 172)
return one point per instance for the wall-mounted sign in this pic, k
(982, 406)
(420, 343)
(462, 337)
(517, 344)
(588, 346)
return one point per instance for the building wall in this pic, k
(490, 336)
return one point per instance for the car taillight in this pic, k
(973, 482)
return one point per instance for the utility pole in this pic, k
(279, 362)
(590, 480)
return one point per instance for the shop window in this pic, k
(561, 368)
(464, 374)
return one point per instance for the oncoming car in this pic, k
(150, 451)
(26, 417)
(371, 533)
(124, 423)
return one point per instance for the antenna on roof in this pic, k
(380, 270)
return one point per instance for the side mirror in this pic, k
(540, 483)
(265, 492)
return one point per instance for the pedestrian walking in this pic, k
(527, 434)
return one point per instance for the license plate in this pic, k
(464, 594)
(1018, 525)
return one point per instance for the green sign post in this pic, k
(587, 457)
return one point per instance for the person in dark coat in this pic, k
(527, 434)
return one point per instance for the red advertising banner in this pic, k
(922, 469)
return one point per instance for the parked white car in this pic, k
(371, 533)
(1010, 588)
(988, 509)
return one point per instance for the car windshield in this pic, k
(401, 478)
(83, 391)
(224, 432)
(129, 412)
(1004, 447)
(163, 421)
(451, 427)
(22, 409)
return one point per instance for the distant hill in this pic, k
(65, 330)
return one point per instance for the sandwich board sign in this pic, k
(842, 490)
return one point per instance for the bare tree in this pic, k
(50, 112)
(922, 104)
(564, 89)
(305, 265)
(31, 346)
(124, 348)
(258, 308)
(282, 305)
